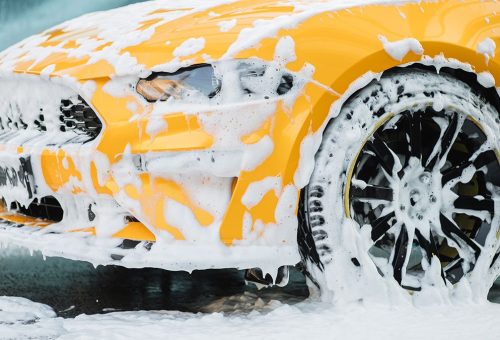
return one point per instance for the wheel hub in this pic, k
(418, 196)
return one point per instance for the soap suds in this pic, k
(399, 49)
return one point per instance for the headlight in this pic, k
(244, 79)
(185, 82)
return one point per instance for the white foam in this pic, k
(399, 49)
(226, 26)
(487, 47)
(189, 47)
(486, 79)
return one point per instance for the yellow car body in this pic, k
(211, 180)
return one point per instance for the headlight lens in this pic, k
(253, 79)
(185, 82)
(158, 89)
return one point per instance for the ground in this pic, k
(105, 303)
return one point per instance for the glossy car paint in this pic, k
(341, 45)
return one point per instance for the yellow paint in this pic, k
(136, 231)
(107, 189)
(148, 23)
(131, 231)
(261, 210)
(26, 220)
(90, 230)
(257, 135)
(153, 197)
(177, 193)
(56, 174)
(342, 46)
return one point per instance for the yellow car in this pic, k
(259, 134)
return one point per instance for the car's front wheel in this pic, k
(413, 159)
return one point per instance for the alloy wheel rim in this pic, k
(425, 181)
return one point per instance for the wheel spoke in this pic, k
(383, 153)
(453, 233)
(450, 135)
(429, 246)
(495, 258)
(475, 204)
(400, 254)
(406, 118)
(415, 134)
(481, 160)
(371, 192)
(381, 225)
(446, 141)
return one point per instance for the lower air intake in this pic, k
(47, 208)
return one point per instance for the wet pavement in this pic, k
(73, 288)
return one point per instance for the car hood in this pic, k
(159, 36)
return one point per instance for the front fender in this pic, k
(346, 50)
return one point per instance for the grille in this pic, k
(16, 122)
(78, 116)
(47, 208)
(75, 117)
